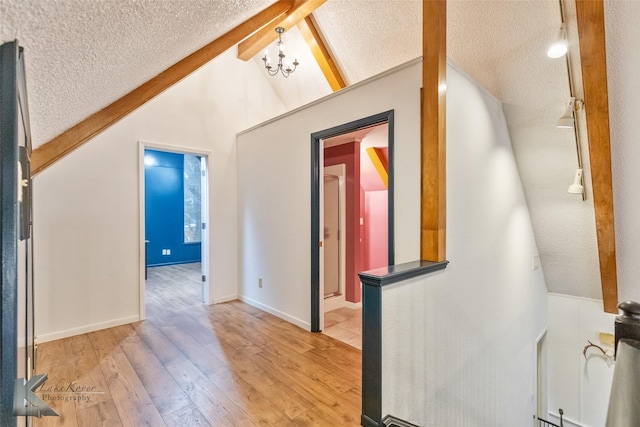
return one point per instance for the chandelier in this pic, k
(282, 67)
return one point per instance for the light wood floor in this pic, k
(190, 364)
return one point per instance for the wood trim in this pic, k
(321, 53)
(593, 57)
(379, 162)
(72, 138)
(267, 34)
(433, 123)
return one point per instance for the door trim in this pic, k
(206, 237)
(317, 173)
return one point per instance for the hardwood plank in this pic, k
(103, 414)
(256, 405)
(209, 399)
(206, 362)
(58, 376)
(189, 416)
(433, 156)
(162, 347)
(593, 59)
(47, 154)
(85, 371)
(250, 47)
(131, 399)
(224, 365)
(269, 384)
(165, 393)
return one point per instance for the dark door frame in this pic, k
(316, 168)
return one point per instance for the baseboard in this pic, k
(52, 336)
(353, 305)
(276, 312)
(225, 299)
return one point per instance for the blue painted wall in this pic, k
(164, 210)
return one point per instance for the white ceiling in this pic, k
(83, 55)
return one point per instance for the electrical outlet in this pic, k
(168, 251)
(164, 252)
(260, 282)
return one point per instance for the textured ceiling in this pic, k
(84, 54)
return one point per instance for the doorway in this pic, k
(174, 212)
(348, 153)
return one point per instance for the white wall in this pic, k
(581, 387)
(87, 205)
(459, 346)
(478, 321)
(274, 187)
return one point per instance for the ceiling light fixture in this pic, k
(577, 187)
(567, 120)
(282, 67)
(560, 46)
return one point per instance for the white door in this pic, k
(204, 236)
(333, 225)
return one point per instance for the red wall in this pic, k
(349, 154)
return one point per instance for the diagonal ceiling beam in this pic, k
(267, 34)
(321, 53)
(593, 56)
(380, 163)
(433, 224)
(63, 144)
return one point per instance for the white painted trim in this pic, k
(86, 329)
(353, 305)
(225, 299)
(298, 322)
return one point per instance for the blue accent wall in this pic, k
(164, 210)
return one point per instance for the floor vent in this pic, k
(391, 421)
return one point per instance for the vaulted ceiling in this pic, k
(83, 55)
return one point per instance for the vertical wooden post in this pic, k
(593, 58)
(433, 153)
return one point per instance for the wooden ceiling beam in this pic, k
(63, 144)
(593, 57)
(379, 163)
(321, 53)
(267, 34)
(433, 216)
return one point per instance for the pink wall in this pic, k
(349, 154)
(376, 229)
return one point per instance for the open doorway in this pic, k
(352, 228)
(174, 233)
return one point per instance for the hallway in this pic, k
(190, 364)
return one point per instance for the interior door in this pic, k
(331, 235)
(204, 235)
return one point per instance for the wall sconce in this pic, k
(577, 187)
(567, 121)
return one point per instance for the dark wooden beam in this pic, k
(593, 57)
(63, 144)
(433, 153)
(321, 53)
(267, 34)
